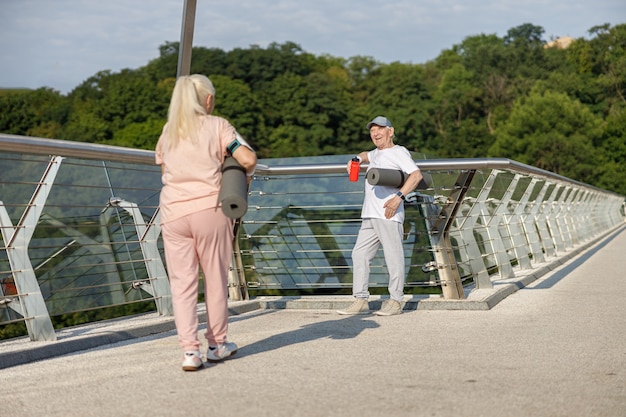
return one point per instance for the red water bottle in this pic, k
(354, 169)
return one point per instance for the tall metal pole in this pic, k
(186, 38)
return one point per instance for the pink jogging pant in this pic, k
(202, 239)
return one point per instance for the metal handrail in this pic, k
(83, 150)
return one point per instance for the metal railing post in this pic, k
(514, 222)
(237, 285)
(16, 240)
(450, 278)
(528, 213)
(147, 236)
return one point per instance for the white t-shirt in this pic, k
(398, 158)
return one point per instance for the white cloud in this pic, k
(61, 43)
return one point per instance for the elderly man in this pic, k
(383, 218)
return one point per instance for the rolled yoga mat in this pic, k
(394, 178)
(234, 190)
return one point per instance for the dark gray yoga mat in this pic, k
(394, 178)
(234, 190)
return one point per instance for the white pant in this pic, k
(373, 233)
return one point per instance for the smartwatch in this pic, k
(399, 194)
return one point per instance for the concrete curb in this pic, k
(486, 299)
(75, 339)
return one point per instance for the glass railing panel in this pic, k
(300, 228)
(85, 253)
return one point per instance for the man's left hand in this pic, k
(391, 206)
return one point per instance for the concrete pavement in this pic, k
(554, 347)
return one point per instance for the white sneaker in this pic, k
(221, 351)
(192, 361)
(390, 308)
(359, 306)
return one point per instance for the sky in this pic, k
(60, 43)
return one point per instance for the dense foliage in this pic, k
(561, 109)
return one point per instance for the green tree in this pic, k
(142, 135)
(166, 65)
(482, 54)
(611, 63)
(130, 97)
(85, 125)
(310, 108)
(612, 162)
(256, 65)
(359, 67)
(235, 102)
(457, 98)
(399, 92)
(601, 64)
(550, 131)
(40, 112)
(525, 52)
(109, 102)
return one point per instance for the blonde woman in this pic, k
(196, 233)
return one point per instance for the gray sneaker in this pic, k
(390, 308)
(220, 352)
(359, 306)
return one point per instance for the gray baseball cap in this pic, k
(380, 121)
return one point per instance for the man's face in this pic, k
(382, 136)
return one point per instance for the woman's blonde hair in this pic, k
(189, 100)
